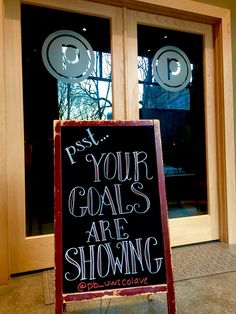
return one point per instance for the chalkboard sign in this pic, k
(111, 234)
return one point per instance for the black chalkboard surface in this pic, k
(111, 234)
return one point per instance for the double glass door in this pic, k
(86, 64)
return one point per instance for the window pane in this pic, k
(170, 72)
(58, 85)
(91, 98)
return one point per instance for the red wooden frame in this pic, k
(60, 298)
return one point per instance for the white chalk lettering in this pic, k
(80, 145)
(110, 166)
(157, 261)
(94, 202)
(102, 230)
(128, 257)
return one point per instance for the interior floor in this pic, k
(206, 295)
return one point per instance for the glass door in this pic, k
(109, 68)
(175, 87)
(171, 86)
(66, 75)
(68, 72)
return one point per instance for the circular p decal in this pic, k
(68, 56)
(171, 68)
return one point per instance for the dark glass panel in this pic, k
(47, 99)
(181, 115)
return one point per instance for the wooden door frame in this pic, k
(220, 19)
(37, 252)
(4, 243)
(199, 228)
(186, 9)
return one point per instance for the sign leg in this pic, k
(60, 307)
(171, 301)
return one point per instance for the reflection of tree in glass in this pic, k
(91, 98)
